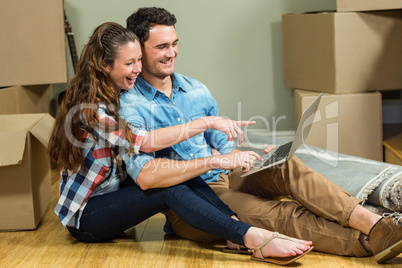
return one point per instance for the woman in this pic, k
(98, 200)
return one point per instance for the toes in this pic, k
(298, 252)
(304, 242)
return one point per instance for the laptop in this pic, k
(282, 153)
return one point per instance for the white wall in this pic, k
(232, 46)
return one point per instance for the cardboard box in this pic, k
(25, 187)
(365, 5)
(26, 99)
(32, 47)
(349, 124)
(343, 52)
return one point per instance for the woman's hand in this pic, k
(229, 127)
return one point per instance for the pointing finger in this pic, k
(244, 123)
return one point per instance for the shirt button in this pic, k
(209, 171)
(191, 154)
(178, 119)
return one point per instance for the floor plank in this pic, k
(145, 245)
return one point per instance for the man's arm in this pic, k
(267, 149)
(161, 172)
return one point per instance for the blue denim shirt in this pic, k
(149, 109)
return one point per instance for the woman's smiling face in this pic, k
(126, 67)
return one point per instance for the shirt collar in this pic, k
(177, 83)
(149, 91)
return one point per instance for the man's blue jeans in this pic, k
(108, 215)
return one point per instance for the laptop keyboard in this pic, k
(280, 153)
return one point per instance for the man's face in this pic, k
(160, 52)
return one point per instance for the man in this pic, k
(324, 213)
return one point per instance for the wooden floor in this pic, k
(142, 246)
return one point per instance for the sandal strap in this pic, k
(274, 235)
(287, 238)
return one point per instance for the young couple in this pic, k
(118, 172)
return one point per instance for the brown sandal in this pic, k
(277, 260)
(239, 250)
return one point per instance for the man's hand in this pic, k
(214, 152)
(245, 160)
(268, 148)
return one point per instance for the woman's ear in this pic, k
(104, 64)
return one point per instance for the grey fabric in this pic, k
(379, 184)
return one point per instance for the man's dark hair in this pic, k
(145, 18)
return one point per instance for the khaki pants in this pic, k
(320, 214)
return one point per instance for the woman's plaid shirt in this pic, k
(102, 158)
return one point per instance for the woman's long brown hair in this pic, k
(90, 86)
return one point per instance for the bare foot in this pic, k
(277, 247)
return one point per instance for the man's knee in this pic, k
(186, 231)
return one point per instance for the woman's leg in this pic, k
(203, 190)
(183, 230)
(108, 215)
(197, 205)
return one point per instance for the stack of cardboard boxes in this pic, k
(352, 55)
(33, 57)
